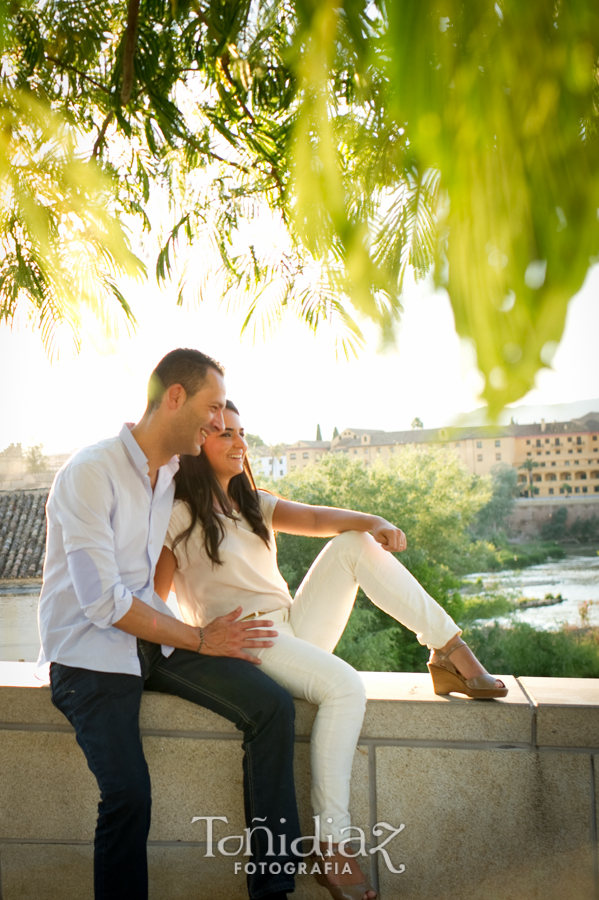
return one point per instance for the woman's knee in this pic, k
(353, 541)
(347, 686)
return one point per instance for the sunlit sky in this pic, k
(285, 384)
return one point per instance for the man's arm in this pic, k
(222, 637)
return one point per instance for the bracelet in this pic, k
(201, 639)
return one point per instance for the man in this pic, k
(102, 627)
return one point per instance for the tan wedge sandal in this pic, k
(446, 679)
(339, 891)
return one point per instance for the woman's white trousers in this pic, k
(302, 660)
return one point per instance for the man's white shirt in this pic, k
(106, 529)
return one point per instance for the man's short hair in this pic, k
(183, 366)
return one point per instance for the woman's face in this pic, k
(226, 449)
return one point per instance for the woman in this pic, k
(220, 551)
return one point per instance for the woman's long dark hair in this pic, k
(196, 483)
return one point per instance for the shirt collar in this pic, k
(139, 458)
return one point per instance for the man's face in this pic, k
(200, 415)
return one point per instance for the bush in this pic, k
(522, 650)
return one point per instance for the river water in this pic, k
(576, 578)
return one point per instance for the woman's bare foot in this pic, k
(336, 876)
(463, 659)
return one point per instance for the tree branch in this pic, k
(102, 134)
(129, 51)
(63, 65)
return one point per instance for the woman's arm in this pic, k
(325, 521)
(165, 569)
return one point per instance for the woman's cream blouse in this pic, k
(249, 576)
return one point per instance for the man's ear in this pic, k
(175, 396)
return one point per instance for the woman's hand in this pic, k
(389, 537)
(226, 637)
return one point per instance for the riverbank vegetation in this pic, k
(444, 511)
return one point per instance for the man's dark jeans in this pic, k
(103, 707)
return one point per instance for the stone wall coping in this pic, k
(402, 709)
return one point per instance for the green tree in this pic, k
(493, 517)
(416, 423)
(529, 465)
(432, 498)
(35, 459)
(387, 138)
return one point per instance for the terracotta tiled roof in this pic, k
(22, 533)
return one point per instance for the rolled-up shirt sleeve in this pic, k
(84, 501)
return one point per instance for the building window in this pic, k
(542, 465)
(557, 452)
(306, 455)
(584, 490)
(567, 462)
(539, 452)
(292, 455)
(479, 445)
(365, 449)
(529, 453)
(547, 452)
(498, 443)
(557, 442)
(498, 457)
(594, 437)
(597, 489)
(576, 462)
(579, 440)
(528, 442)
(569, 440)
(579, 451)
(479, 457)
(577, 490)
(546, 440)
(457, 445)
(553, 464)
(355, 452)
(378, 449)
(538, 442)
(570, 451)
(551, 490)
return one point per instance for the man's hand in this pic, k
(389, 537)
(226, 637)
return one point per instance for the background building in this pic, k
(561, 458)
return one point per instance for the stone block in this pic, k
(567, 711)
(164, 712)
(29, 706)
(194, 778)
(486, 825)
(46, 788)
(46, 871)
(404, 706)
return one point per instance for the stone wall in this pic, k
(497, 797)
(530, 515)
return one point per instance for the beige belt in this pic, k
(275, 615)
